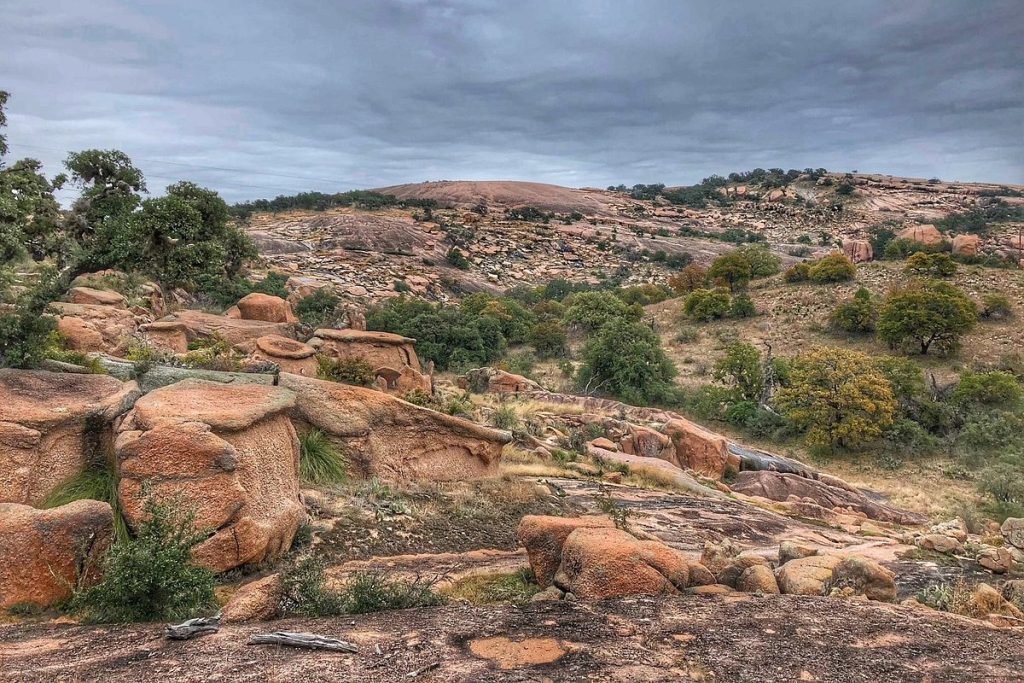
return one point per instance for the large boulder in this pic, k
(966, 245)
(242, 334)
(392, 356)
(700, 450)
(99, 297)
(44, 554)
(289, 355)
(53, 427)
(258, 600)
(91, 328)
(925, 234)
(827, 494)
(391, 439)
(1013, 531)
(807, 575)
(227, 450)
(648, 443)
(609, 563)
(543, 537)
(265, 307)
(758, 578)
(167, 335)
(858, 251)
(495, 381)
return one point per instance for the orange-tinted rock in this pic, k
(865, 577)
(858, 251)
(731, 573)
(609, 563)
(51, 424)
(392, 356)
(99, 297)
(257, 600)
(925, 234)
(648, 443)
(42, 552)
(169, 336)
(544, 536)
(229, 450)
(700, 450)
(604, 443)
(290, 355)
(242, 334)
(265, 307)
(388, 438)
(758, 578)
(966, 245)
(95, 327)
(807, 575)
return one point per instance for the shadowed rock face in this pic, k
(229, 450)
(388, 438)
(44, 552)
(780, 487)
(51, 424)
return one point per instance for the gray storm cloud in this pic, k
(262, 98)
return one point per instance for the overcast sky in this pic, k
(256, 98)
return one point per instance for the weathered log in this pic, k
(193, 628)
(310, 641)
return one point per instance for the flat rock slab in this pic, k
(724, 638)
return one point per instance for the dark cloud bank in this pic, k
(336, 95)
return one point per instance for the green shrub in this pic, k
(549, 339)
(937, 264)
(519, 363)
(987, 388)
(272, 284)
(707, 304)
(457, 259)
(763, 263)
(305, 590)
(742, 307)
(996, 306)
(320, 463)
(505, 417)
(592, 310)
(626, 359)
(927, 313)
(858, 315)
(986, 432)
(1003, 484)
(832, 268)
(799, 272)
(319, 309)
(899, 249)
(355, 371)
(375, 592)
(733, 270)
(741, 369)
(151, 577)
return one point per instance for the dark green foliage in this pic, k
(832, 268)
(979, 220)
(151, 577)
(530, 214)
(318, 201)
(927, 313)
(858, 315)
(450, 336)
(707, 304)
(902, 248)
(993, 388)
(742, 307)
(924, 264)
(272, 284)
(319, 309)
(733, 270)
(457, 259)
(1002, 482)
(763, 263)
(845, 188)
(592, 310)
(880, 238)
(741, 369)
(549, 339)
(25, 331)
(320, 463)
(626, 359)
(644, 295)
(346, 370)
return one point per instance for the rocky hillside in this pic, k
(591, 234)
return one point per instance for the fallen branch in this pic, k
(423, 670)
(309, 641)
(193, 628)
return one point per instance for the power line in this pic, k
(200, 166)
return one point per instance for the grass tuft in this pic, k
(95, 483)
(515, 588)
(320, 463)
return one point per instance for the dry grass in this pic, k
(922, 487)
(516, 462)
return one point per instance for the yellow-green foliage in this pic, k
(840, 398)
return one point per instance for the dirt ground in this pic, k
(703, 638)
